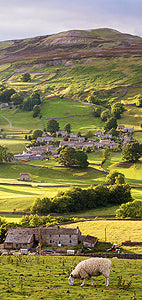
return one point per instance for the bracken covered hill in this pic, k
(70, 46)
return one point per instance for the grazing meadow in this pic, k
(46, 277)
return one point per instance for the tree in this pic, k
(110, 123)
(104, 115)
(41, 206)
(96, 111)
(17, 98)
(81, 159)
(117, 109)
(36, 134)
(132, 152)
(101, 195)
(52, 126)
(112, 177)
(31, 101)
(5, 155)
(89, 134)
(106, 152)
(35, 97)
(120, 193)
(90, 99)
(130, 210)
(26, 77)
(69, 157)
(139, 100)
(5, 95)
(36, 111)
(67, 127)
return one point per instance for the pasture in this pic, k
(14, 145)
(117, 231)
(46, 277)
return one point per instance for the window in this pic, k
(50, 241)
(70, 241)
(59, 235)
(24, 245)
(9, 244)
(50, 235)
(70, 235)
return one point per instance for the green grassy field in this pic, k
(116, 231)
(46, 277)
(132, 171)
(14, 146)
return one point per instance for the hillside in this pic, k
(66, 68)
(71, 45)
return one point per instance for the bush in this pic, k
(130, 210)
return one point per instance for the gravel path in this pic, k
(10, 124)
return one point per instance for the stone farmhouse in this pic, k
(27, 237)
(25, 176)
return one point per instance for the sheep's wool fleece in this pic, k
(92, 266)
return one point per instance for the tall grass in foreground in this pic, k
(46, 277)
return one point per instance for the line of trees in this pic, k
(78, 199)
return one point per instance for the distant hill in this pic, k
(71, 45)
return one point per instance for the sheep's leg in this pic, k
(83, 282)
(107, 281)
(92, 281)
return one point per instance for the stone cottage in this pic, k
(25, 176)
(26, 237)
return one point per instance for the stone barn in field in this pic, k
(90, 241)
(24, 176)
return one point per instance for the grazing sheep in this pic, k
(91, 267)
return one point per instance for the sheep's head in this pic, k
(71, 280)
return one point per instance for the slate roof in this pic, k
(90, 239)
(16, 238)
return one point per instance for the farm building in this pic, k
(90, 241)
(25, 237)
(17, 240)
(25, 176)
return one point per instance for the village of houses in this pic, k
(104, 140)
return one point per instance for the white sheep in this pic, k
(91, 267)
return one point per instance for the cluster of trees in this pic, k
(132, 152)
(25, 77)
(110, 119)
(53, 126)
(8, 95)
(130, 210)
(35, 220)
(69, 157)
(77, 199)
(32, 102)
(5, 156)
